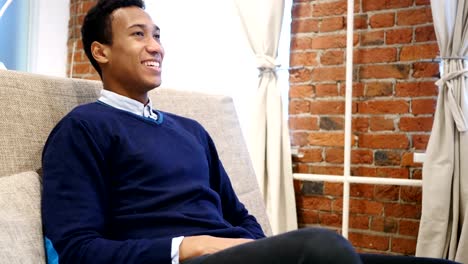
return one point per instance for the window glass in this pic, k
(14, 34)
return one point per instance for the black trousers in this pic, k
(309, 245)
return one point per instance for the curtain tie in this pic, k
(457, 112)
(267, 64)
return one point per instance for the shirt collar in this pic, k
(127, 104)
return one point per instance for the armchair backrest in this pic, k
(31, 105)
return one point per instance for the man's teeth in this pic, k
(151, 63)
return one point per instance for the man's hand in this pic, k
(195, 246)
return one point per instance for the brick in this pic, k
(329, 41)
(326, 170)
(382, 20)
(411, 194)
(301, 91)
(326, 139)
(415, 89)
(330, 219)
(303, 123)
(425, 33)
(315, 203)
(406, 246)
(423, 106)
(372, 5)
(361, 156)
(397, 71)
(312, 188)
(360, 21)
(332, 24)
(374, 89)
(333, 57)
(418, 52)
(374, 55)
(329, 74)
(330, 9)
(310, 155)
(416, 123)
(331, 123)
(303, 59)
(417, 174)
(299, 139)
(372, 38)
(384, 224)
(399, 173)
(387, 193)
(387, 158)
(408, 227)
(399, 36)
(301, 168)
(305, 26)
(359, 206)
(364, 171)
(359, 222)
(379, 123)
(390, 141)
(383, 107)
(362, 190)
(323, 90)
(426, 69)
(334, 155)
(423, 2)
(412, 211)
(412, 17)
(358, 90)
(368, 241)
(301, 43)
(299, 107)
(82, 68)
(420, 141)
(333, 188)
(301, 10)
(297, 186)
(300, 75)
(327, 107)
(308, 216)
(407, 160)
(360, 124)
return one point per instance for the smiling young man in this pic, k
(124, 183)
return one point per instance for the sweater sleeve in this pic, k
(75, 203)
(233, 210)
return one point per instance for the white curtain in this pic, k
(443, 230)
(268, 137)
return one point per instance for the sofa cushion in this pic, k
(21, 239)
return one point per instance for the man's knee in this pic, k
(325, 245)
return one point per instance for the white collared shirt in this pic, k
(127, 104)
(133, 106)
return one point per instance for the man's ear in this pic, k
(100, 52)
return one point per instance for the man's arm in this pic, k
(233, 210)
(76, 203)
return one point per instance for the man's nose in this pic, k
(154, 46)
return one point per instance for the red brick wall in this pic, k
(394, 99)
(81, 66)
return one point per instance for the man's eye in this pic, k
(139, 33)
(157, 36)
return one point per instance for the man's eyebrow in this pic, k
(144, 26)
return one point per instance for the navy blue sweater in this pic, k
(118, 187)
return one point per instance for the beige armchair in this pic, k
(31, 105)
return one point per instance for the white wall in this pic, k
(48, 37)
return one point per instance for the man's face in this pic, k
(135, 56)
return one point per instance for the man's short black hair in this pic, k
(97, 25)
